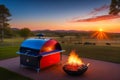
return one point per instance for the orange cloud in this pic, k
(97, 18)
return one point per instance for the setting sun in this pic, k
(100, 35)
(100, 29)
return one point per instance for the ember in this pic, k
(75, 65)
(73, 68)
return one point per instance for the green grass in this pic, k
(9, 47)
(8, 52)
(105, 53)
(8, 75)
(11, 42)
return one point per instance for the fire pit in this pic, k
(75, 70)
(75, 66)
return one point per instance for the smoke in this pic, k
(94, 18)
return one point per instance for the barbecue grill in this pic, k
(39, 53)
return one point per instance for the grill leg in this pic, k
(38, 70)
(21, 65)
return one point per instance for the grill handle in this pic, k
(42, 54)
(27, 54)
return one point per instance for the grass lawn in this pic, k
(8, 75)
(9, 47)
(8, 52)
(11, 42)
(105, 53)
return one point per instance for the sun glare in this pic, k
(100, 29)
(100, 35)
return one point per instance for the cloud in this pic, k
(96, 10)
(95, 18)
(98, 18)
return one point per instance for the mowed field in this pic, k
(9, 47)
(100, 51)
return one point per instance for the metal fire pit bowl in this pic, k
(79, 71)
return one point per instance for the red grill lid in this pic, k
(50, 45)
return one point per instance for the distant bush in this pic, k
(25, 33)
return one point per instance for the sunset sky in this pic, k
(62, 15)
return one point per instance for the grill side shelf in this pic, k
(52, 52)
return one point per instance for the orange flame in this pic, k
(74, 59)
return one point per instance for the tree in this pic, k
(8, 32)
(4, 14)
(25, 33)
(115, 7)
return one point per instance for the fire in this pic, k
(74, 59)
(75, 65)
